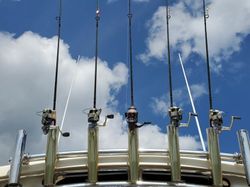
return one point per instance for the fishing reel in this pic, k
(216, 121)
(94, 117)
(48, 119)
(132, 115)
(132, 119)
(175, 114)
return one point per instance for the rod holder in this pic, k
(16, 163)
(175, 114)
(93, 118)
(243, 139)
(133, 142)
(174, 152)
(92, 153)
(133, 155)
(51, 157)
(214, 155)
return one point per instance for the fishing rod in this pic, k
(215, 116)
(175, 115)
(205, 16)
(59, 19)
(94, 115)
(215, 119)
(50, 128)
(131, 55)
(169, 60)
(97, 18)
(49, 115)
(132, 114)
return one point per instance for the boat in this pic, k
(133, 166)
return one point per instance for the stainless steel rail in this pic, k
(243, 139)
(184, 153)
(16, 162)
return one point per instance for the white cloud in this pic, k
(198, 90)
(160, 105)
(26, 81)
(227, 29)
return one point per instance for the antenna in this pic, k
(205, 15)
(192, 103)
(58, 18)
(169, 60)
(67, 101)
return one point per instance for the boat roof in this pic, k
(113, 168)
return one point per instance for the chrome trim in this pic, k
(184, 153)
(16, 163)
(138, 183)
(243, 139)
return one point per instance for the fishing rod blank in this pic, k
(169, 60)
(59, 18)
(205, 15)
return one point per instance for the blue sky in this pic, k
(27, 32)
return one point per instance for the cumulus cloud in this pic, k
(26, 80)
(226, 30)
(161, 104)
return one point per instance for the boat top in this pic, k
(154, 167)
